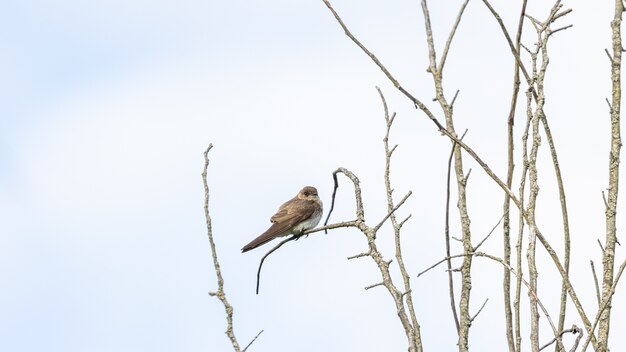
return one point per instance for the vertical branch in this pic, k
(520, 233)
(532, 239)
(373, 252)
(506, 283)
(564, 216)
(543, 28)
(466, 278)
(608, 261)
(414, 333)
(220, 281)
(543, 34)
(447, 234)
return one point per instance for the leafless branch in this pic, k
(514, 50)
(360, 255)
(573, 330)
(608, 259)
(258, 273)
(608, 55)
(374, 285)
(447, 237)
(220, 294)
(450, 134)
(295, 237)
(480, 309)
(375, 229)
(606, 301)
(395, 83)
(601, 246)
(499, 260)
(254, 339)
(414, 334)
(595, 281)
(506, 285)
(489, 234)
(446, 48)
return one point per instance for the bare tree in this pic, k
(531, 63)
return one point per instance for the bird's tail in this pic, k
(259, 241)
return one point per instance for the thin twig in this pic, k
(360, 255)
(258, 273)
(608, 55)
(489, 234)
(595, 281)
(600, 244)
(508, 39)
(447, 237)
(605, 303)
(374, 285)
(392, 211)
(446, 48)
(574, 330)
(454, 98)
(479, 310)
(254, 339)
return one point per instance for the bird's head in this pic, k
(308, 193)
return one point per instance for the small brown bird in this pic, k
(297, 215)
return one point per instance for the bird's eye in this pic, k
(307, 193)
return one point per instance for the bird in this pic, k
(302, 212)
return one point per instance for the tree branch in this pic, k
(218, 273)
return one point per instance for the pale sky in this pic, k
(106, 108)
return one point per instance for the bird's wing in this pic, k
(294, 211)
(289, 215)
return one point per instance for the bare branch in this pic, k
(595, 281)
(392, 211)
(508, 39)
(609, 56)
(605, 303)
(489, 234)
(325, 228)
(608, 259)
(601, 247)
(444, 55)
(499, 260)
(220, 294)
(360, 255)
(447, 237)
(574, 330)
(395, 83)
(258, 273)
(479, 310)
(360, 214)
(610, 108)
(254, 339)
(374, 285)
(454, 98)
(552, 32)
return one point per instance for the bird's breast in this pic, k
(309, 223)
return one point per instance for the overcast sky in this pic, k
(107, 106)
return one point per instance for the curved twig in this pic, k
(258, 273)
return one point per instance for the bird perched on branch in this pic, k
(297, 215)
